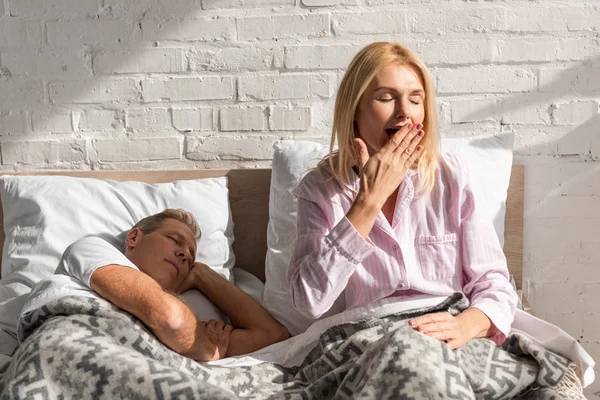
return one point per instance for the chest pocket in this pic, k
(438, 256)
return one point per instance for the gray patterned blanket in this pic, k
(80, 347)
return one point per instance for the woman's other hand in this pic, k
(456, 331)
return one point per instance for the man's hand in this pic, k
(215, 335)
(253, 327)
(190, 281)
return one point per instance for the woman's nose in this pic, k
(402, 112)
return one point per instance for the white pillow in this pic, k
(489, 159)
(45, 214)
(206, 310)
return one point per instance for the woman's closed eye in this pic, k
(385, 99)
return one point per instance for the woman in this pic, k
(388, 215)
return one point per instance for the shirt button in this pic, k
(401, 285)
(395, 247)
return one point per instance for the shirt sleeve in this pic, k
(485, 270)
(324, 256)
(83, 257)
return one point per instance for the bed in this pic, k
(325, 361)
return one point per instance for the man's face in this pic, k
(166, 255)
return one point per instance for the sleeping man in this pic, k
(158, 264)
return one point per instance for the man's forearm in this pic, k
(254, 326)
(242, 310)
(169, 318)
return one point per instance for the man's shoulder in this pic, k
(89, 252)
(90, 243)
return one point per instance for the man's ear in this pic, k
(133, 238)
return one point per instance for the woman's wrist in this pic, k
(367, 203)
(362, 215)
(477, 323)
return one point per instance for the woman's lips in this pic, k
(391, 131)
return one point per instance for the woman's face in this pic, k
(394, 97)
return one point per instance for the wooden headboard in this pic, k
(249, 199)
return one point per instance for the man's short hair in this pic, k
(150, 224)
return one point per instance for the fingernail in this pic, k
(419, 126)
(421, 133)
(419, 148)
(412, 323)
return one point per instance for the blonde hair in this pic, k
(150, 224)
(363, 68)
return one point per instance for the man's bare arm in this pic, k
(168, 318)
(254, 327)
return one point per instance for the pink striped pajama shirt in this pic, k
(439, 244)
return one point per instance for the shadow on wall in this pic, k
(104, 66)
(564, 134)
(568, 84)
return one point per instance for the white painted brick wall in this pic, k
(242, 119)
(235, 59)
(229, 148)
(20, 33)
(274, 87)
(319, 57)
(193, 119)
(184, 88)
(43, 152)
(112, 84)
(96, 120)
(47, 64)
(52, 9)
(369, 23)
(124, 61)
(289, 119)
(148, 120)
(100, 91)
(99, 33)
(110, 150)
(202, 29)
(21, 94)
(13, 122)
(574, 112)
(284, 26)
(485, 80)
(445, 18)
(224, 4)
(52, 121)
(585, 79)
